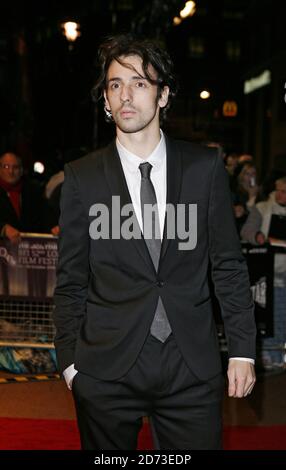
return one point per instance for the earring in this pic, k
(108, 112)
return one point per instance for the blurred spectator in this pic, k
(22, 207)
(231, 163)
(256, 231)
(247, 187)
(245, 191)
(278, 171)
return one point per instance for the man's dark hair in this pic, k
(127, 45)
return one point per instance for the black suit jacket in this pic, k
(107, 289)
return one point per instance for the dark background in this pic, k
(46, 112)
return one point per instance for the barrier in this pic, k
(260, 261)
(28, 276)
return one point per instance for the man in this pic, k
(135, 331)
(21, 202)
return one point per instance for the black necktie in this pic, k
(160, 327)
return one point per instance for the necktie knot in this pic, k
(145, 169)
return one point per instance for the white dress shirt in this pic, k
(130, 164)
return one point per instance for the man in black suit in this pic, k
(135, 330)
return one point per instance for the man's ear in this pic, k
(106, 102)
(164, 96)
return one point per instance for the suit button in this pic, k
(160, 283)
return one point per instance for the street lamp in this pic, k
(177, 21)
(39, 167)
(204, 95)
(71, 32)
(188, 10)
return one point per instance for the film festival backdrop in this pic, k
(28, 276)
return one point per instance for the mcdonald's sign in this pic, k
(229, 109)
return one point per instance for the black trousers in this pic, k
(185, 412)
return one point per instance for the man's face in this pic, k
(10, 168)
(132, 99)
(280, 194)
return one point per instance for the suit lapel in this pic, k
(117, 184)
(174, 177)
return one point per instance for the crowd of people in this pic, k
(260, 213)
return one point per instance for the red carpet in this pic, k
(51, 434)
(255, 437)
